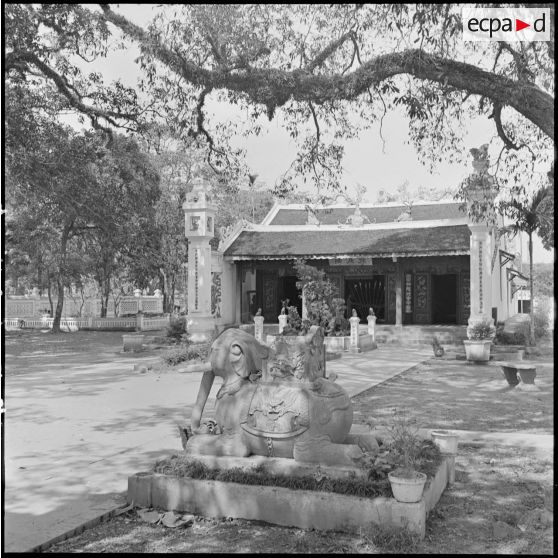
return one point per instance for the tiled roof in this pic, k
(332, 216)
(380, 242)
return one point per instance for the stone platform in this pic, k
(305, 509)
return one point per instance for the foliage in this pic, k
(185, 352)
(326, 72)
(481, 330)
(404, 195)
(323, 307)
(508, 338)
(541, 318)
(543, 279)
(294, 322)
(394, 539)
(177, 330)
(405, 442)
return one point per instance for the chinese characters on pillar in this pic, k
(408, 293)
(480, 278)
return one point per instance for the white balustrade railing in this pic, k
(35, 307)
(74, 324)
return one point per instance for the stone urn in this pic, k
(477, 350)
(407, 486)
(446, 440)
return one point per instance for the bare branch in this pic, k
(497, 115)
(328, 51)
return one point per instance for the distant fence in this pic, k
(28, 308)
(139, 322)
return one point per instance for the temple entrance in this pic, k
(361, 294)
(287, 289)
(444, 299)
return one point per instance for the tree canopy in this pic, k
(326, 71)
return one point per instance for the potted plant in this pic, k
(477, 347)
(407, 484)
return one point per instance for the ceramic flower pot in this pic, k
(477, 350)
(445, 440)
(407, 487)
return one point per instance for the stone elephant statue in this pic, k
(274, 401)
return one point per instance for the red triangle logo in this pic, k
(519, 25)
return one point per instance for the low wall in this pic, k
(282, 506)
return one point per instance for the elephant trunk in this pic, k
(203, 394)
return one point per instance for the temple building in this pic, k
(413, 265)
(423, 263)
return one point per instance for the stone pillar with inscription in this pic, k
(371, 318)
(259, 326)
(199, 212)
(480, 191)
(354, 320)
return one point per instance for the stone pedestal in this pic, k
(258, 328)
(353, 344)
(372, 327)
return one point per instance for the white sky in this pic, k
(366, 161)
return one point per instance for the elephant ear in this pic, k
(246, 359)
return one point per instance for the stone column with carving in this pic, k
(481, 190)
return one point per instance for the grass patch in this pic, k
(376, 485)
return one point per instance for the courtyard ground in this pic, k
(496, 505)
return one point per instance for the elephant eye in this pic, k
(236, 350)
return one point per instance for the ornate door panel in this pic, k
(422, 302)
(267, 295)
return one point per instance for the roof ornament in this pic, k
(357, 219)
(406, 215)
(225, 233)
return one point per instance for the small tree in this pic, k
(323, 305)
(530, 216)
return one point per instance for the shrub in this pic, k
(185, 353)
(481, 330)
(177, 330)
(515, 338)
(324, 308)
(541, 318)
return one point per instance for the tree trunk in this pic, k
(60, 276)
(59, 305)
(531, 284)
(49, 291)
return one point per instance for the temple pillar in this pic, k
(480, 274)
(398, 297)
(199, 220)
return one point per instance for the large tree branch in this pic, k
(21, 60)
(274, 87)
